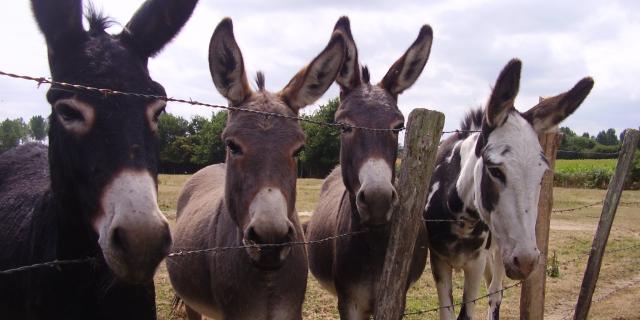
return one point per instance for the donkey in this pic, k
(359, 195)
(250, 199)
(487, 184)
(93, 191)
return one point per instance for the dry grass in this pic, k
(571, 235)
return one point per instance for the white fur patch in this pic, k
(268, 211)
(434, 188)
(130, 198)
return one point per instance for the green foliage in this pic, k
(605, 146)
(38, 127)
(567, 132)
(607, 138)
(322, 150)
(12, 133)
(593, 173)
(186, 146)
(554, 269)
(208, 147)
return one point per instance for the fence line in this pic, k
(51, 264)
(181, 253)
(577, 208)
(111, 92)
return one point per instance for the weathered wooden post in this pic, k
(424, 129)
(609, 207)
(533, 289)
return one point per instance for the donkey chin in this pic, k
(133, 234)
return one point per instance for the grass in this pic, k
(571, 235)
(581, 165)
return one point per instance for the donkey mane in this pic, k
(260, 80)
(98, 21)
(366, 77)
(472, 121)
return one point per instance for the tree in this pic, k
(607, 138)
(208, 147)
(175, 149)
(567, 132)
(38, 128)
(12, 133)
(322, 150)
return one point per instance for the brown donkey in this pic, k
(359, 195)
(250, 199)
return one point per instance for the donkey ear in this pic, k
(156, 22)
(313, 80)
(551, 111)
(404, 72)
(349, 76)
(504, 94)
(226, 64)
(60, 22)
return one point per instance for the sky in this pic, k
(559, 43)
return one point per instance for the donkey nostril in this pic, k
(516, 262)
(118, 239)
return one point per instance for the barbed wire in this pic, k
(576, 208)
(182, 253)
(56, 263)
(339, 125)
(418, 312)
(588, 253)
(50, 264)
(42, 80)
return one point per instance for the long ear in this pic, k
(60, 22)
(404, 72)
(312, 81)
(156, 22)
(504, 94)
(226, 64)
(551, 111)
(349, 76)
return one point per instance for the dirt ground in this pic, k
(571, 235)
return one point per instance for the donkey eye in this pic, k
(498, 174)
(68, 113)
(234, 148)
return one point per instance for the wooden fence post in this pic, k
(609, 207)
(533, 289)
(424, 129)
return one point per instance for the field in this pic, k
(590, 173)
(571, 235)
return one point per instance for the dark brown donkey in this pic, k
(359, 195)
(250, 199)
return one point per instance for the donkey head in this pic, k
(368, 158)
(260, 188)
(508, 177)
(103, 150)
